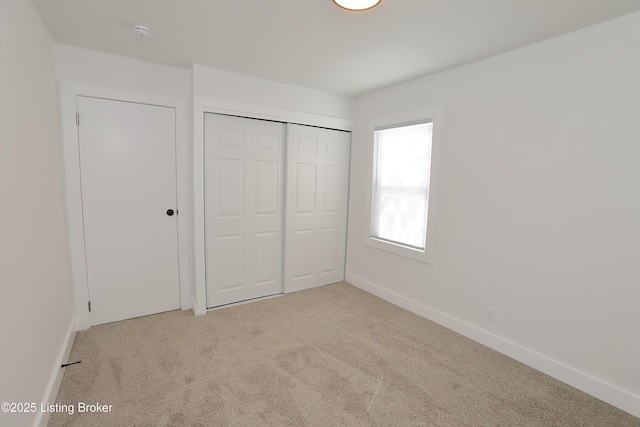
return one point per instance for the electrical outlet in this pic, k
(491, 314)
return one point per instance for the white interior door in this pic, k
(244, 201)
(317, 197)
(128, 176)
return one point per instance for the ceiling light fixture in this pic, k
(141, 30)
(357, 4)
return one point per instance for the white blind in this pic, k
(401, 175)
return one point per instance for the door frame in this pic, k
(202, 105)
(73, 195)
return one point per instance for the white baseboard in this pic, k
(589, 384)
(56, 376)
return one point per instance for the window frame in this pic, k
(434, 116)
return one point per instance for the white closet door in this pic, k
(128, 175)
(244, 186)
(316, 215)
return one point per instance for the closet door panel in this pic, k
(316, 211)
(244, 208)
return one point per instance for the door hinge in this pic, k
(89, 304)
(77, 119)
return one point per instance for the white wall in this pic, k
(219, 84)
(35, 296)
(90, 67)
(539, 207)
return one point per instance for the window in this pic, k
(401, 178)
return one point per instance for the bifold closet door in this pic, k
(244, 202)
(316, 212)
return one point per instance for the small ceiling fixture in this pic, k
(357, 4)
(141, 30)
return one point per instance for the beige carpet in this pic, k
(331, 356)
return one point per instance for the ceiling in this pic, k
(314, 43)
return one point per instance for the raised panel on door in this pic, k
(302, 255)
(128, 177)
(268, 258)
(316, 212)
(229, 255)
(305, 195)
(330, 250)
(230, 187)
(244, 201)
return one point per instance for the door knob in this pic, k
(170, 212)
